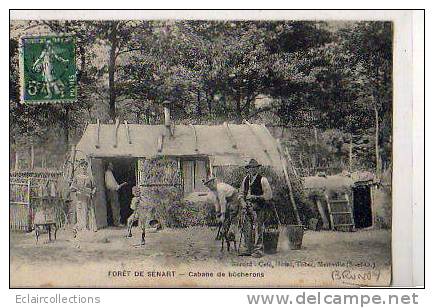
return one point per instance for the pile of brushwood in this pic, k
(173, 211)
(281, 199)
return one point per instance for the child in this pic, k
(137, 215)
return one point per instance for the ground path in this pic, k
(193, 247)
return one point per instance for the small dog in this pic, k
(228, 238)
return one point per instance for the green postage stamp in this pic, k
(48, 69)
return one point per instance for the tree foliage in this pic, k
(289, 73)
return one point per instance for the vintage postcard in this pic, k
(174, 152)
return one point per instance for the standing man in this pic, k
(112, 194)
(255, 192)
(226, 203)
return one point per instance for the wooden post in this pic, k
(350, 159)
(98, 128)
(288, 183)
(211, 171)
(115, 134)
(29, 208)
(128, 131)
(315, 164)
(288, 156)
(332, 221)
(17, 167)
(32, 157)
(371, 196)
(73, 153)
(136, 167)
(351, 212)
(325, 221)
(196, 148)
(160, 143)
(231, 137)
(377, 146)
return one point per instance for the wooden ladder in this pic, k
(341, 214)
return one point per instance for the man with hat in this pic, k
(255, 192)
(226, 202)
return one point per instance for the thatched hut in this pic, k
(171, 156)
(358, 198)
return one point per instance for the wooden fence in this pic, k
(27, 194)
(20, 215)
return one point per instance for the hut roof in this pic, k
(226, 144)
(362, 176)
(331, 182)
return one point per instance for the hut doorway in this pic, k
(362, 206)
(124, 170)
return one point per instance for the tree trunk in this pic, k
(350, 159)
(315, 154)
(113, 40)
(209, 102)
(377, 146)
(32, 157)
(198, 106)
(65, 124)
(146, 117)
(224, 103)
(17, 161)
(89, 113)
(376, 98)
(82, 58)
(248, 105)
(238, 106)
